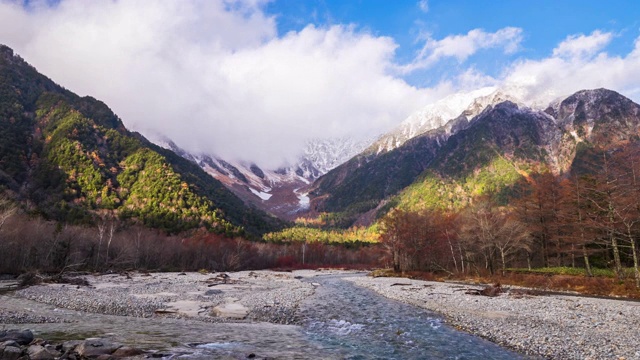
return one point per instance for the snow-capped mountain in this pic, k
(280, 191)
(437, 165)
(430, 117)
(284, 191)
(326, 154)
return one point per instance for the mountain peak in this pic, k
(587, 106)
(431, 117)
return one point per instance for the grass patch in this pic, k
(559, 279)
(564, 270)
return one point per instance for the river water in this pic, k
(356, 323)
(340, 321)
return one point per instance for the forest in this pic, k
(589, 219)
(109, 244)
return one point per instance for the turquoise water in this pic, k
(355, 323)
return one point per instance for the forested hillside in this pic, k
(70, 159)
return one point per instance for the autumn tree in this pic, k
(538, 207)
(577, 229)
(496, 233)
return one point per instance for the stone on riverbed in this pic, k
(231, 311)
(94, 347)
(10, 353)
(39, 352)
(21, 337)
(127, 351)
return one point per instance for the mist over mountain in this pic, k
(71, 159)
(486, 149)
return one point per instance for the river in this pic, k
(340, 321)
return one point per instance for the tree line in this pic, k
(589, 218)
(35, 244)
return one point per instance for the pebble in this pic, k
(269, 296)
(551, 326)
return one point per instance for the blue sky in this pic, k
(544, 23)
(255, 80)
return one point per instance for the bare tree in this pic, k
(7, 210)
(495, 233)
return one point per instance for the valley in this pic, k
(500, 219)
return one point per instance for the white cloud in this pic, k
(577, 63)
(213, 75)
(461, 47)
(582, 45)
(423, 5)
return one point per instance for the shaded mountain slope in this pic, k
(486, 155)
(71, 159)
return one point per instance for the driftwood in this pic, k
(400, 284)
(491, 291)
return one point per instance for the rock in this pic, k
(159, 355)
(10, 353)
(24, 337)
(9, 343)
(93, 348)
(127, 351)
(231, 311)
(39, 352)
(70, 345)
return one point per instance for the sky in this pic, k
(254, 80)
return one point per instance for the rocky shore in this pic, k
(21, 344)
(208, 307)
(551, 326)
(242, 296)
(203, 307)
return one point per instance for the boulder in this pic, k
(127, 351)
(94, 347)
(23, 337)
(39, 352)
(10, 353)
(231, 311)
(70, 345)
(9, 343)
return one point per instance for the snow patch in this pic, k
(262, 195)
(303, 199)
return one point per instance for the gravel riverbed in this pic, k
(265, 295)
(551, 326)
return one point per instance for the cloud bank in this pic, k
(578, 62)
(216, 77)
(213, 75)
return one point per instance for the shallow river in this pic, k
(341, 321)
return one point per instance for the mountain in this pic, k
(396, 159)
(430, 117)
(487, 149)
(281, 191)
(71, 159)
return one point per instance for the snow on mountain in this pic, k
(326, 154)
(430, 117)
(281, 191)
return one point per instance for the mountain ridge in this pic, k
(520, 139)
(71, 159)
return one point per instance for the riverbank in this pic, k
(552, 326)
(194, 315)
(246, 296)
